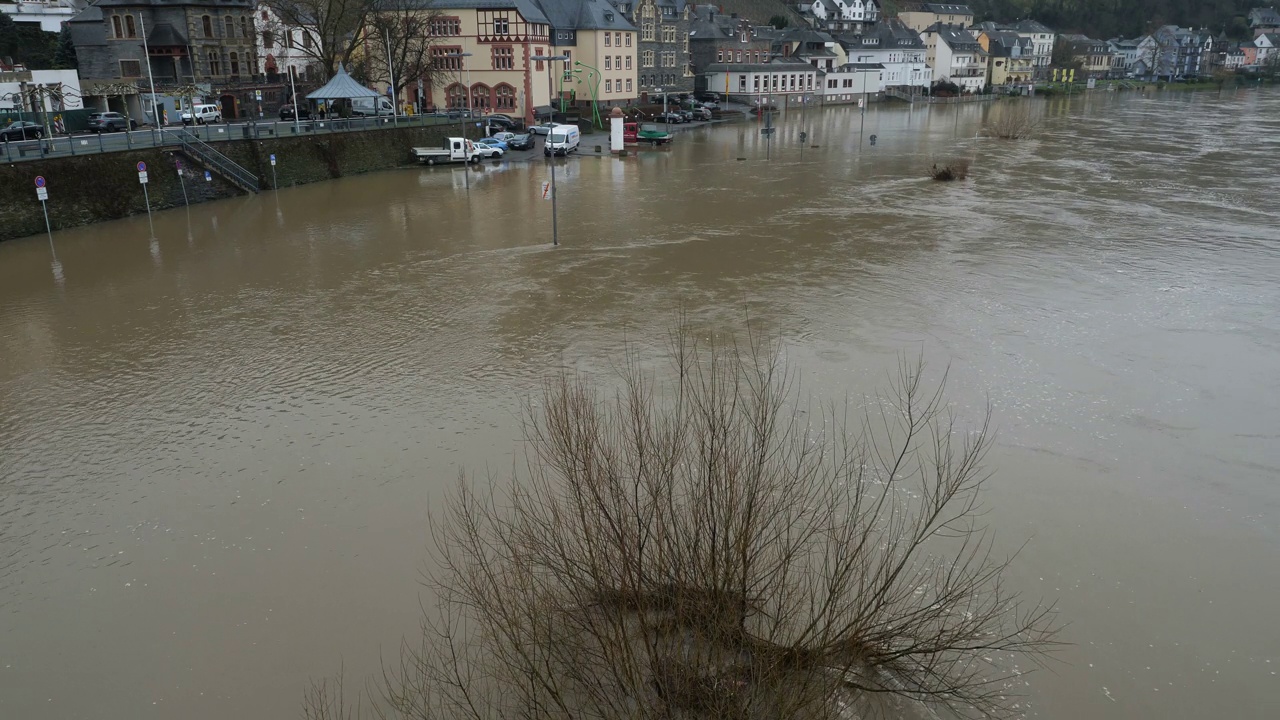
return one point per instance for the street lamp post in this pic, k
(555, 228)
(462, 122)
(666, 114)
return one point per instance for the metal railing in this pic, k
(91, 144)
(202, 152)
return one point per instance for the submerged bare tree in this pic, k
(713, 547)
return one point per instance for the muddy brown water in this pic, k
(218, 448)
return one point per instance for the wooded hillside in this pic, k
(1125, 18)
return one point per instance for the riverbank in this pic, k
(94, 188)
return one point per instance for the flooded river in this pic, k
(218, 448)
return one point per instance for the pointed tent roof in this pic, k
(342, 87)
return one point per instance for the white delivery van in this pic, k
(562, 140)
(372, 106)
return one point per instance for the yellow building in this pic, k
(481, 52)
(1010, 57)
(919, 16)
(604, 46)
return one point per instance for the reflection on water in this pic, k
(217, 448)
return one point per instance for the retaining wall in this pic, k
(92, 188)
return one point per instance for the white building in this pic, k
(49, 13)
(851, 82)
(57, 90)
(897, 49)
(840, 15)
(780, 81)
(955, 55)
(282, 47)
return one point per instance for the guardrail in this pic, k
(97, 143)
(204, 153)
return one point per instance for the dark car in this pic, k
(502, 123)
(21, 130)
(522, 142)
(107, 122)
(287, 112)
(669, 117)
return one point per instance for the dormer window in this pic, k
(608, 17)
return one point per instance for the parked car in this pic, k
(504, 123)
(670, 116)
(503, 136)
(287, 112)
(202, 114)
(489, 151)
(492, 142)
(21, 130)
(687, 115)
(522, 142)
(100, 122)
(702, 113)
(543, 129)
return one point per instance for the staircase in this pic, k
(206, 155)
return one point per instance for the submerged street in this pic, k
(219, 448)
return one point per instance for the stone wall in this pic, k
(92, 188)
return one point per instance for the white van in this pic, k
(202, 114)
(562, 140)
(372, 106)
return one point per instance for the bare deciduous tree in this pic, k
(714, 547)
(403, 31)
(1010, 121)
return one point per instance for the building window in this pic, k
(628, 37)
(607, 38)
(446, 26)
(268, 40)
(215, 64)
(229, 27)
(646, 31)
(755, 82)
(608, 62)
(617, 39)
(206, 23)
(628, 62)
(306, 39)
(504, 97)
(501, 26)
(117, 30)
(608, 86)
(739, 56)
(617, 62)
(129, 29)
(538, 65)
(720, 56)
(235, 65)
(480, 96)
(289, 42)
(503, 58)
(646, 58)
(446, 58)
(669, 58)
(628, 84)
(130, 68)
(455, 96)
(668, 33)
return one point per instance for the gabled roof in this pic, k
(956, 38)
(527, 9)
(1264, 17)
(1031, 26)
(936, 8)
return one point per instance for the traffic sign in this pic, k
(39, 181)
(273, 159)
(546, 191)
(142, 177)
(42, 194)
(142, 167)
(208, 176)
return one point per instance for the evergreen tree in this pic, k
(64, 56)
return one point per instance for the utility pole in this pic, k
(462, 123)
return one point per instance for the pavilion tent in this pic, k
(341, 87)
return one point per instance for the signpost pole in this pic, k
(42, 194)
(183, 182)
(142, 180)
(274, 185)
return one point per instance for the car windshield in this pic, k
(558, 137)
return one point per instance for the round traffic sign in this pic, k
(39, 181)
(142, 167)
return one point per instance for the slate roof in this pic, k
(1264, 17)
(1032, 26)
(527, 8)
(581, 15)
(956, 38)
(936, 8)
(165, 35)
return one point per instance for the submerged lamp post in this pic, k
(462, 122)
(555, 228)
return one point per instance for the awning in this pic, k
(543, 111)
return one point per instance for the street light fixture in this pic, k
(462, 121)
(555, 226)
